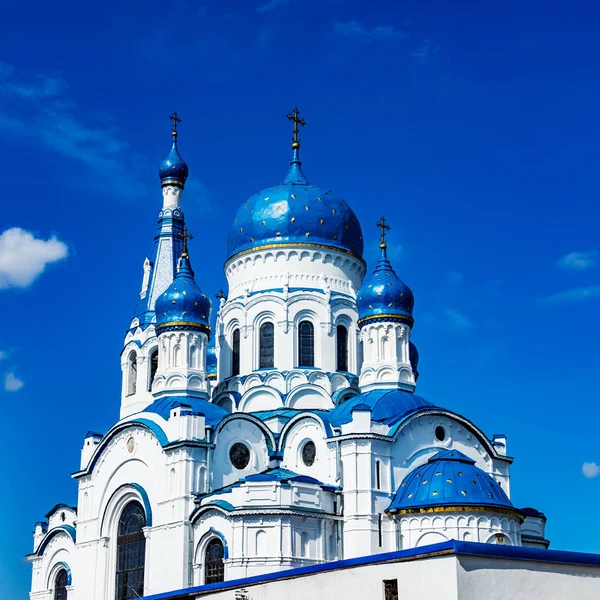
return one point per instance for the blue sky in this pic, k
(473, 127)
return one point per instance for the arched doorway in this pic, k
(214, 568)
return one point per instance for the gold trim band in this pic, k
(387, 316)
(440, 509)
(183, 324)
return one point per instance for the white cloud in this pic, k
(12, 383)
(3, 354)
(573, 295)
(358, 30)
(425, 51)
(578, 261)
(590, 470)
(457, 320)
(271, 5)
(23, 257)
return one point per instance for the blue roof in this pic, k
(173, 170)
(183, 305)
(283, 476)
(162, 407)
(384, 295)
(295, 212)
(449, 478)
(387, 406)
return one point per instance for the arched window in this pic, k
(131, 373)
(153, 367)
(131, 552)
(60, 585)
(306, 344)
(214, 569)
(342, 348)
(235, 352)
(266, 346)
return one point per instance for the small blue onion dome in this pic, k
(384, 296)
(451, 479)
(413, 357)
(173, 170)
(183, 306)
(295, 213)
(211, 361)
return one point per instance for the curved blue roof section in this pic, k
(449, 478)
(163, 406)
(387, 406)
(68, 529)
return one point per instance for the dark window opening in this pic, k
(306, 344)
(309, 453)
(131, 374)
(153, 367)
(235, 352)
(131, 553)
(239, 455)
(440, 433)
(214, 568)
(377, 475)
(342, 348)
(60, 585)
(266, 346)
(380, 531)
(390, 589)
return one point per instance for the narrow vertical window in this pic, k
(380, 530)
(214, 568)
(131, 373)
(235, 352)
(377, 475)
(342, 348)
(266, 346)
(306, 344)
(153, 367)
(131, 553)
(390, 589)
(60, 585)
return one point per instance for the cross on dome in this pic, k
(186, 236)
(176, 120)
(384, 227)
(297, 121)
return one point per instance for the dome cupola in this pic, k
(183, 306)
(295, 213)
(383, 295)
(173, 170)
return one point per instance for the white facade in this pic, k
(266, 464)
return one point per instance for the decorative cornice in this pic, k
(453, 509)
(386, 317)
(183, 325)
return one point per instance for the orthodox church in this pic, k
(285, 432)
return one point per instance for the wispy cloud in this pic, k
(23, 257)
(425, 51)
(354, 29)
(573, 295)
(457, 320)
(12, 383)
(455, 277)
(271, 5)
(590, 470)
(578, 261)
(40, 113)
(3, 354)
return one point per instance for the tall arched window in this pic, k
(306, 344)
(131, 373)
(214, 569)
(235, 352)
(131, 552)
(60, 585)
(342, 348)
(153, 367)
(266, 346)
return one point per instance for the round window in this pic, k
(239, 455)
(440, 433)
(309, 452)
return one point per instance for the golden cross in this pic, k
(384, 227)
(186, 236)
(221, 295)
(297, 121)
(176, 120)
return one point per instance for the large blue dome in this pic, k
(183, 305)
(384, 296)
(173, 170)
(295, 212)
(449, 478)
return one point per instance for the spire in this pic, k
(295, 174)
(173, 170)
(185, 266)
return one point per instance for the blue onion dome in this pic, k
(211, 361)
(295, 213)
(413, 357)
(183, 306)
(384, 296)
(173, 170)
(450, 479)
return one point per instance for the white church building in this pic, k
(282, 439)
